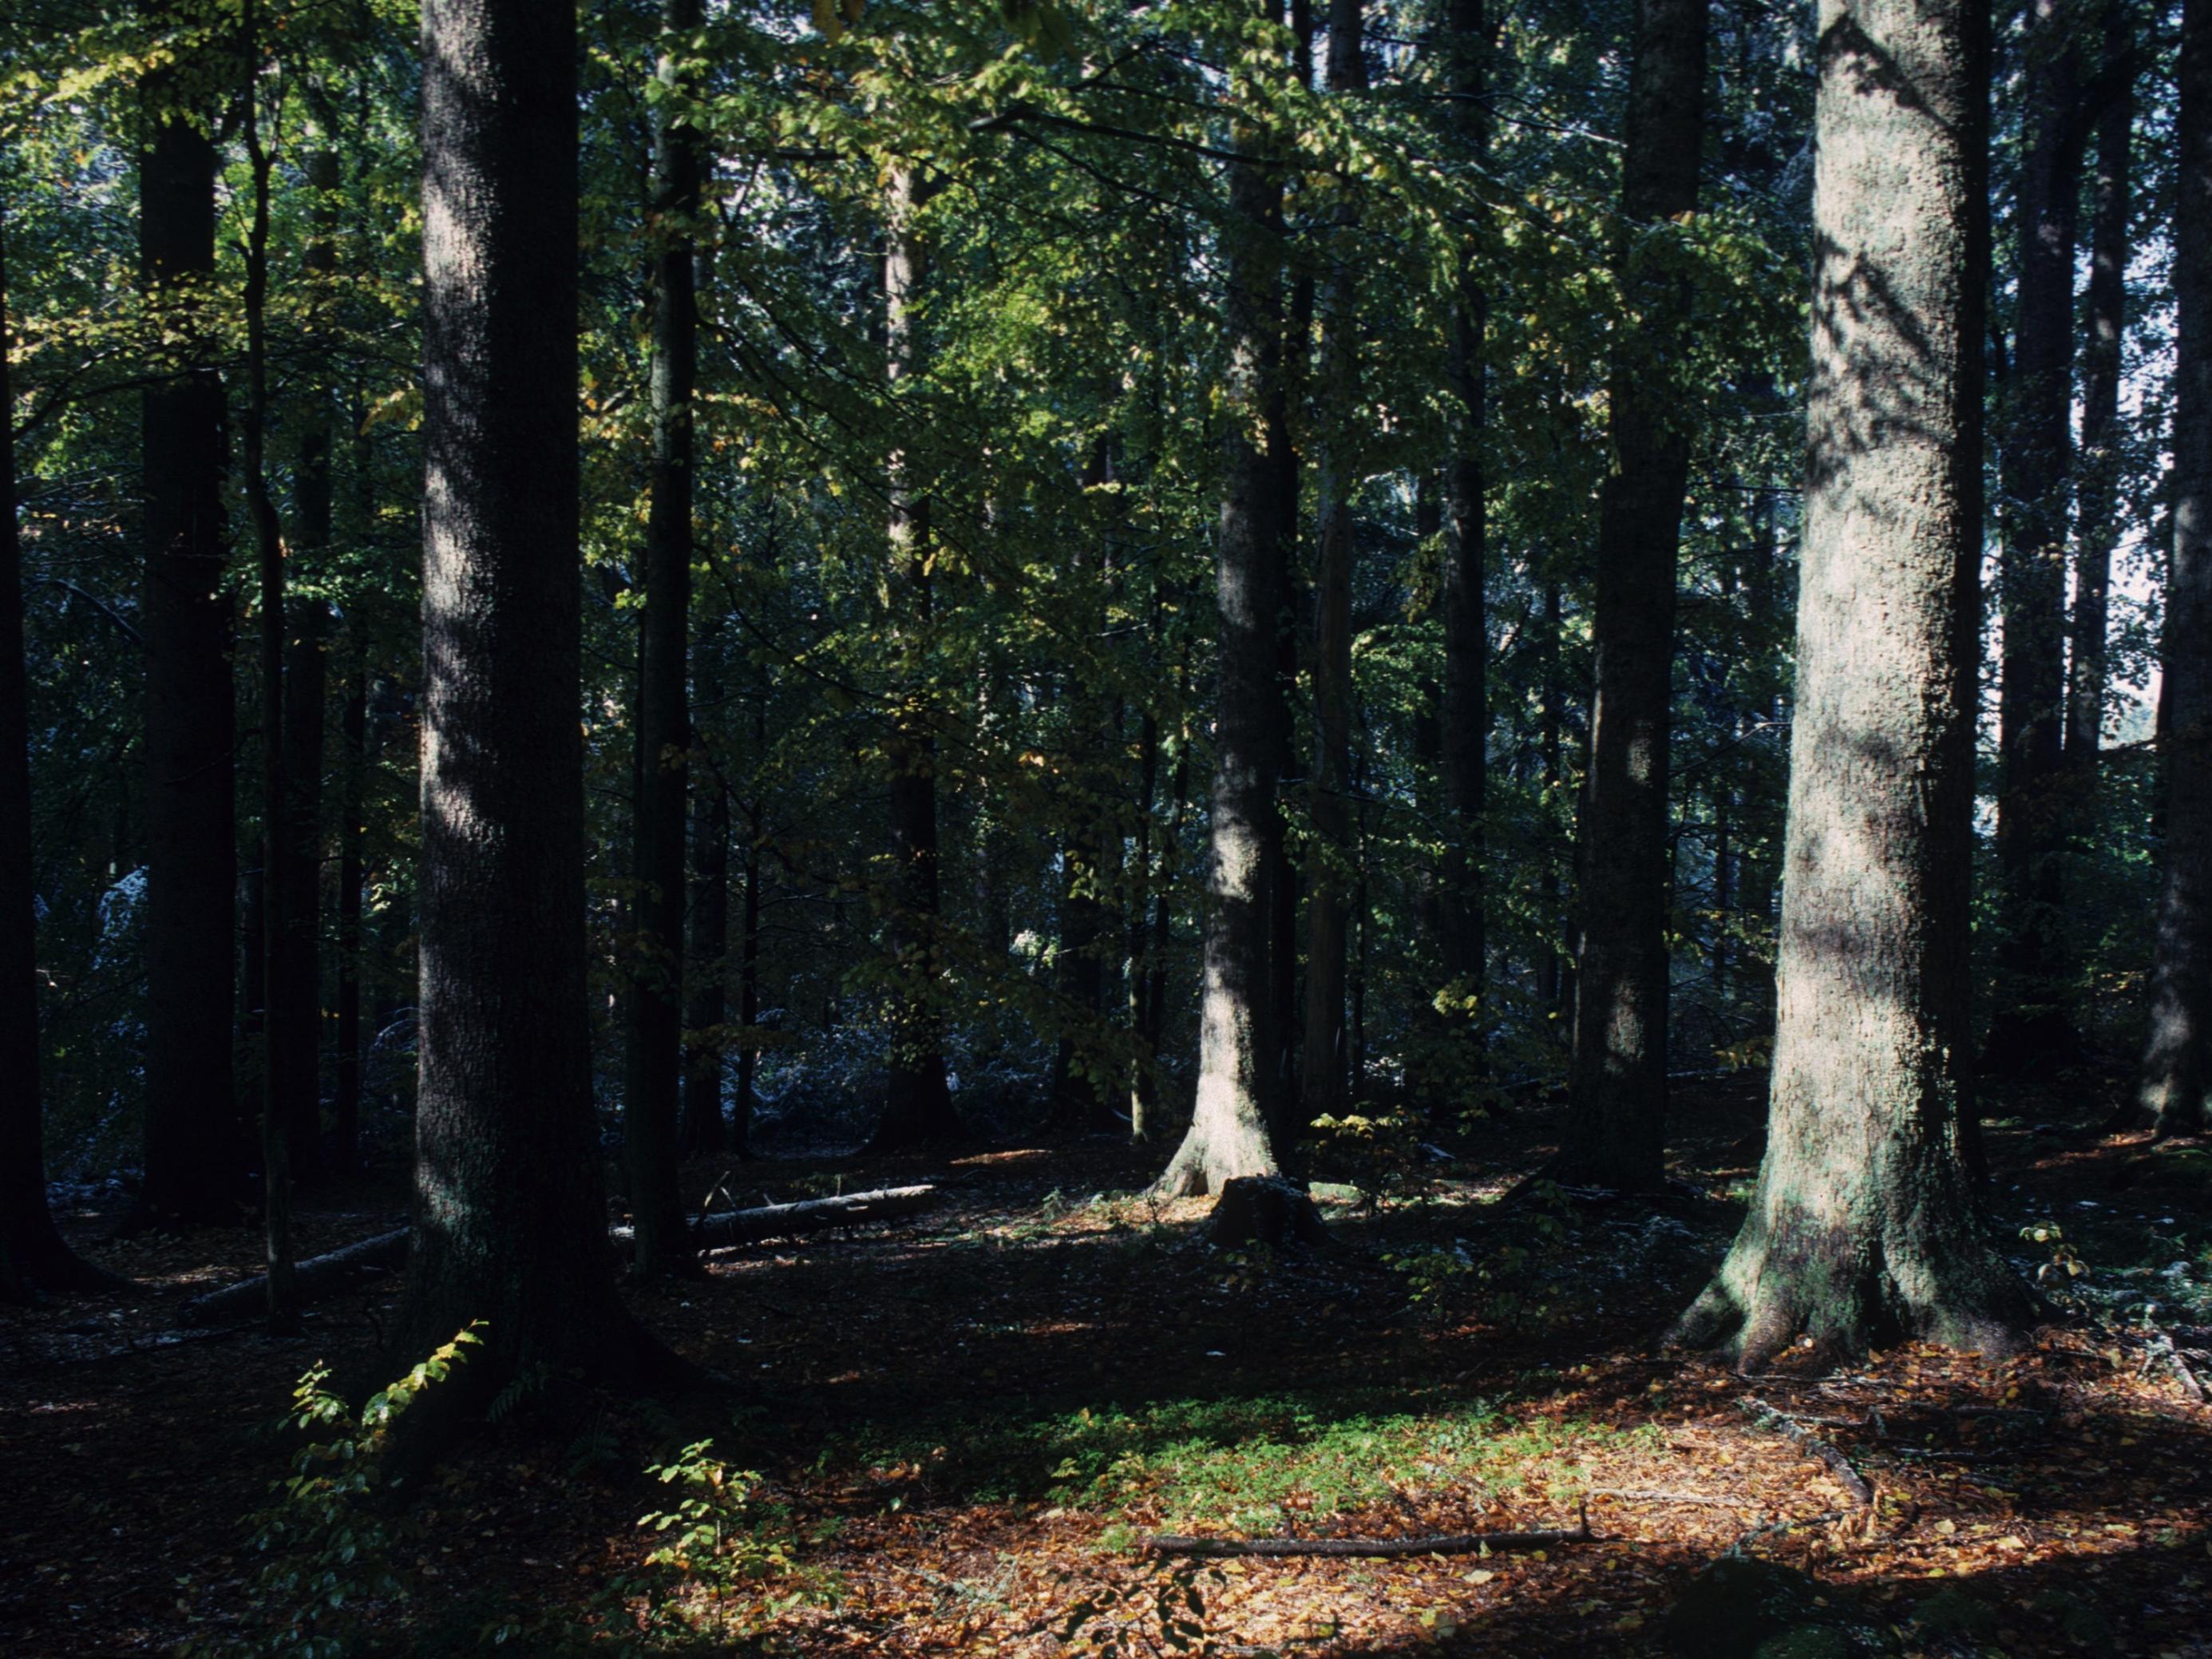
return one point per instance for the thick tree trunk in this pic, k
(918, 1100)
(196, 1143)
(2177, 1070)
(663, 725)
(1229, 1133)
(1617, 1093)
(1465, 734)
(33, 1256)
(707, 1018)
(1325, 1053)
(2098, 469)
(1864, 1227)
(2032, 1027)
(510, 1224)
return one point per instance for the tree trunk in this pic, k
(278, 1067)
(195, 1141)
(918, 1100)
(663, 725)
(1464, 732)
(1616, 1092)
(1229, 1135)
(33, 1256)
(510, 1225)
(353, 726)
(1551, 957)
(2100, 467)
(707, 1019)
(749, 980)
(2032, 1027)
(1326, 1053)
(1864, 1227)
(2176, 1069)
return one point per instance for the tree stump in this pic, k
(1267, 1210)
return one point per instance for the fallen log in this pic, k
(1452, 1543)
(319, 1275)
(316, 1276)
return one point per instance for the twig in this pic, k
(1784, 1525)
(1673, 1497)
(2163, 1347)
(1457, 1543)
(1766, 1417)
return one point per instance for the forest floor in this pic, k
(961, 1426)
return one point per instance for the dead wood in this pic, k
(316, 1276)
(1456, 1543)
(1766, 1417)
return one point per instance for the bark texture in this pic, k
(1617, 1092)
(663, 725)
(2031, 1027)
(33, 1256)
(1333, 862)
(918, 1100)
(509, 1219)
(196, 1142)
(2177, 1070)
(1229, 1135)
(1864, 1227)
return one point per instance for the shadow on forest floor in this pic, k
(964, 1423)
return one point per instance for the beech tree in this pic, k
(2177, 1068)
(1865, 1226)
(510, 1223)
(1617, 1088)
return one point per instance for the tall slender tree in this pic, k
(195, 1139)
(2031, 1025)
(918, 1100)
(663, 725)
(510, 1223)
(1229, 1135)
(1865, 1226)
(33, 1255)
(1329, 903)
(2177, 1068)
(1616, 1091)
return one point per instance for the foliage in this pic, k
(331, 1543)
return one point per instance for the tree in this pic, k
(663, 725)
(33, 1255)
(194, 1140)
(1865, 1226)
(1228, 1129)
(510, 1225)
(2032, 1026)
(918, 1100)
(2177, 1068)
(1329, 903)
(1617, 1088)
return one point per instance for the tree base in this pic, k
(1847, 1294)
(1264, 1210)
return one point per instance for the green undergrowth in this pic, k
(1245, 1463)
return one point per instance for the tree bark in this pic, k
(2098, 469)
(663, 725)
(196, 1141)
(33, 1256)
(1229, 1135)
(1325, 1053)
(509, 1219)
(2177, 1068)
(918, 1100)
(1617, 1094)
(1865, 1227)
(2032, 1027)
(1464, 732)
(353, 728)
(705, 980)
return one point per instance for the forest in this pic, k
(1106, 827)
